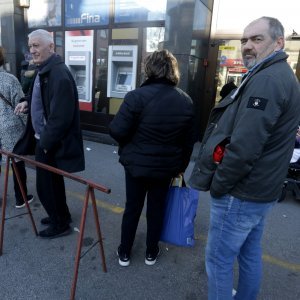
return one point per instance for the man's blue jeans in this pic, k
(236, 229)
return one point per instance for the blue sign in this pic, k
(223, 59)
(139, 11)
(79, 13)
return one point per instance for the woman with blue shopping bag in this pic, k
(155, 131)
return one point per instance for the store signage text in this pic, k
(85, 18)
(231, 48)
(123, 53)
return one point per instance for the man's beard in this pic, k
(249, 62)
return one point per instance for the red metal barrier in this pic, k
(90, 187)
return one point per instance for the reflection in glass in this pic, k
(230, 61)
(44, 13)
(153, 39)
(59, 43)
(101, 101)
(292, 48)
(139, 11)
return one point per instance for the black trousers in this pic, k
(23, 176)
(51, 189)
(136, 191)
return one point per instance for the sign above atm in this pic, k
(77, 58)
(82, 13)
(127, 53)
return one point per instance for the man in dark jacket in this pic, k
(227, 88)
(53, 125)
(256, 125)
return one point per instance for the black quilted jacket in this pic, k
(155, 130)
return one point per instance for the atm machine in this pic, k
(122, 66)
(79, 63)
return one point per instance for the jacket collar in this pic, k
(47, 65)
(279, 56)
(275, 58)
(158, 80)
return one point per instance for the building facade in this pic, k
(104, 44)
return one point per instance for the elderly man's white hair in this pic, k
(44, 35)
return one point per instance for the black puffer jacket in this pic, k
(155, 130)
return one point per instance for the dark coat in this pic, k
(259, 120)
(154, 128)
(226, 89)
(61, 134)
(28, 74)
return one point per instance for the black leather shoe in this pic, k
(47, 221)
(52, 232)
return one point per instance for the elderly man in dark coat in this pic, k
(54, 128)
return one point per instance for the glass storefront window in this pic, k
(79, 13)
(230, 61)
(153, 39)
(101, 101)
(44, 13)
(79, 49)
(59, 44)
(201, 30)
(139, 11)
(230, 64)
(292, 48)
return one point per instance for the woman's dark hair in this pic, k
(2, 57)
(162, 64)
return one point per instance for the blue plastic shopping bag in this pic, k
(181, 207)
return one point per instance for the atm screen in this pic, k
(124, 79)
(123, 82)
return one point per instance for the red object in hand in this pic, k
(218, 153)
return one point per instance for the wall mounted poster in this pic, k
(79, 59)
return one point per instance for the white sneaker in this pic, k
(151, 258)
(124, 258)
(30, 198)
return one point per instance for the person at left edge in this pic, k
(53, 126)
(11, 126)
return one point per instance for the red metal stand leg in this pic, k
(4, 204)
(96, 216)
(79, 243)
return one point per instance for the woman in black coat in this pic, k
(155, 131)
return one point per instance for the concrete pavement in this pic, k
(33, 268)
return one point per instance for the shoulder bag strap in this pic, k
(9, 103)
(5, 100)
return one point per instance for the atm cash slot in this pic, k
(80, 79)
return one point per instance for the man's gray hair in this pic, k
(44, 35)
(276, 28)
